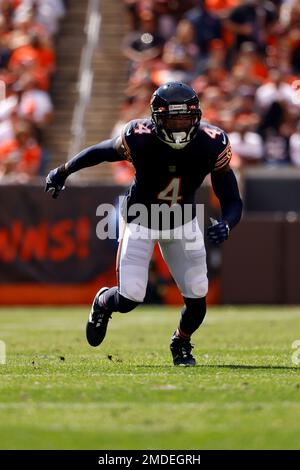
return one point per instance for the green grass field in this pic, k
(58, 393)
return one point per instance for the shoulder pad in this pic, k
(134, 134)
(219, 145)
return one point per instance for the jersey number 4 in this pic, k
(171, 192)
(212, 132)
(142, 129)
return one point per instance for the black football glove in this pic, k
(218, 232)
(55, 181)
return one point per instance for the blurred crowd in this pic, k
(27, 65)
(242, 58)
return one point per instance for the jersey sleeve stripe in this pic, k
(227, 149)
(127, 151)
(223, 159)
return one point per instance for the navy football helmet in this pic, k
(176, 113)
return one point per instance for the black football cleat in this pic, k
(97, 323)
(182, 352)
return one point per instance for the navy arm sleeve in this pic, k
(226, 189)
(105, 151)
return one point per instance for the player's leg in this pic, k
(187, 263)
(133, 260)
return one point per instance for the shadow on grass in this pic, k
(248, 367)
(222, 366)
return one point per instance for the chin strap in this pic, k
(177, 139)
(179, 136)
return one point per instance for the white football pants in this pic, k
(183, 250)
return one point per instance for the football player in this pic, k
(172, 154)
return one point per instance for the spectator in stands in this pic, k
(293, 35)
(4, 48)
(294, 145)
(24, 27)
(252, 63)
(21, 156)
(181, 53)
(246, 143)
(217, 51)
(35, 105)
(275, 104)
(275, 89)
(46, 12)
(215, 75)
(210, 103)
(252, 21)
(207, 27)
(38, 53)
(243, 106)
(8, 113)
(132, 10)
(222, 7)
(276, 146)
(6, 11)
(27, 63)
(143, 45)
(168, 15)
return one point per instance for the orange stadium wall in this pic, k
(49, 251)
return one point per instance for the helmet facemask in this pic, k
(177, 125)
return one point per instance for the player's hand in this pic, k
(218, 232)
(55, 181)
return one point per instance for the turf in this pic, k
(58, 393)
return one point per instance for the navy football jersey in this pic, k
(167, 175)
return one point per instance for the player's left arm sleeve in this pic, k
(226, 189)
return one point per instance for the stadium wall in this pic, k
(50, 253)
